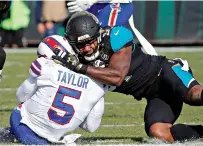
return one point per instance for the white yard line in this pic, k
(179, 49)
(124, 125)
(17, 76)
(158, 49)
(128, 103)
(8, 89)
(19, 51)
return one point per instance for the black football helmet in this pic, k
(4, 7)
(82, 27)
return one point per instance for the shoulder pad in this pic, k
(36, 67)
(119, 37)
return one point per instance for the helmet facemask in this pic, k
(81, 44)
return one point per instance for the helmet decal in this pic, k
(49, 44)
(83, 37)
(53, 43)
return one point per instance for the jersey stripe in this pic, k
(36, 68)
(185, 76)
(52, 43)
(114, 14)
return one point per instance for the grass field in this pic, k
(123, 119)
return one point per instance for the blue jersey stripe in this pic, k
(35, 71)
(37, 64)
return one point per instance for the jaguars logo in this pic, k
(99, 63)
(104, 56)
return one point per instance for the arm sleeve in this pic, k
(93, 120)
(26, 89)
(120, 37)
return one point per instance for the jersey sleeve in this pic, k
(120, 37)
(36, 67)
(26, 89)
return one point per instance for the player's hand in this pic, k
(79, 5)
(70, 61)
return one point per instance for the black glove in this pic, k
(69, 60)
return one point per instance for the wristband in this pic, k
(81, 68)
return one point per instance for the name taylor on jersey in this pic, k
(71, 79)
(49, 68)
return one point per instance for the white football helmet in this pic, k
(50, 43)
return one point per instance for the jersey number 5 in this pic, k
(62, 106)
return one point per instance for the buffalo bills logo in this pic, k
(115, 6)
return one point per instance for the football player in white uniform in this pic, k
(55, 100)
(109, 12)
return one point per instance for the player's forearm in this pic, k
(106, 75)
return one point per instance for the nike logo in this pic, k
(159, 72)
(116, 33)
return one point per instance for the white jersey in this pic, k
(62, 99)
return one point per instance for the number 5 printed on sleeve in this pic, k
(60, 105)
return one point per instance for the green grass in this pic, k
(119, 109)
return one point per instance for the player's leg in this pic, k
(22, 132)
(178, 75)
(2, 60)
(161, 113)
(160, 116)
(17, 38)
(115, 14)
(6, 36)
(93, 120)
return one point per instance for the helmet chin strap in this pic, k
(92, 57)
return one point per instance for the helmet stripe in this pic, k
(52, 43)
(114, 14)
